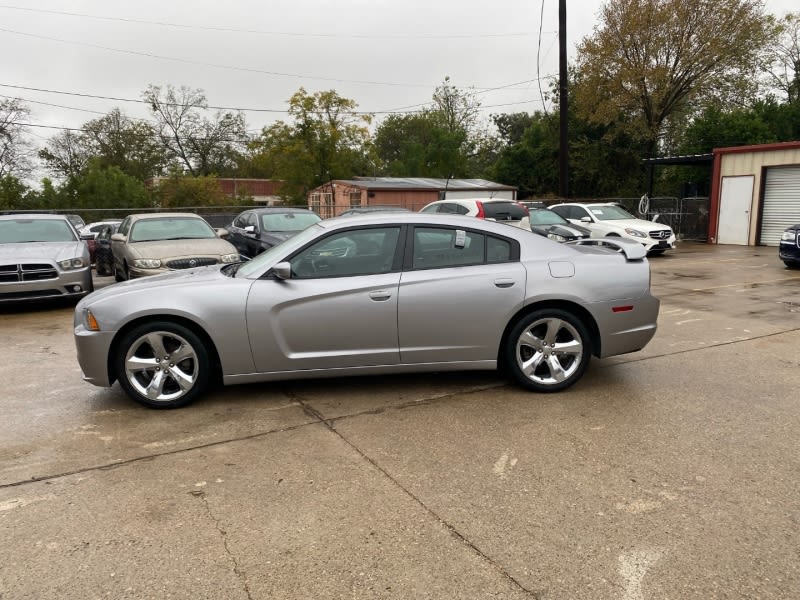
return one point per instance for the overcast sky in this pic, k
(384, 54)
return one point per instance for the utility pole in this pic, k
(563, 103)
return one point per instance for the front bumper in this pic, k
(66, 284)
(789, 250)
(93, 355)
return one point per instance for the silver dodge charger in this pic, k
(373, 294)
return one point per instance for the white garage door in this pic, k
(781, 203)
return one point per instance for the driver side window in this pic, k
(348, 253)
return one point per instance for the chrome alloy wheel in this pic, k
(549, 351)
(162, 366)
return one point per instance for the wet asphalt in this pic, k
(669, 473)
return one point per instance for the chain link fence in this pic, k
(688, 217)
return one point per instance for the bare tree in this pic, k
(783, 58)
(203, 146)
(15, 147)
(65, 154)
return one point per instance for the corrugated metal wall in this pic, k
(781, 203)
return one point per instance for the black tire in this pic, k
(101, 269)
(177, 375)
(548, 350)
(117, 275)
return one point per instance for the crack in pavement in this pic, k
(224, 534)
(330, 425)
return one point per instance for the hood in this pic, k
(273, 238)
(181, 248)
(640, 224)
(193, 277)
(54, 251)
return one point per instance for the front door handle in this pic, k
(380, 296)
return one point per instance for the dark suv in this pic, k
(789, 248)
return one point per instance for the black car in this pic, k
(254, 231)
(789, 248)
(103, 259)
(551, 225)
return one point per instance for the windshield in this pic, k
(546, 217)
(170, 228)
(256, 264)
(609, 212)
(288, 222)
(18, 231)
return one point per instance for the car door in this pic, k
(458, 291)
(338, 309)
(118, 247)
(236, 234)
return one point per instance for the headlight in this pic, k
(147, 263)
(71, 263)
(789, 235)
(635, 233)
(556, 237)
(230, 258)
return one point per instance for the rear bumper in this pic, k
(626, 332)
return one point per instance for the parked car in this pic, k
(76, 221)
(389, 293)
(152, 243)
(552, 225)
(103, 258)
(254, 231)
(41, 256)
(789, 247)
(611, 220)
(363, 210)
(89, 233)
(495, 209)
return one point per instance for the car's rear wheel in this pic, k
(548, 350)
(162, 365)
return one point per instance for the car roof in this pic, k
(38, 216)
(139, 216)
(415, 218)
(279, 209)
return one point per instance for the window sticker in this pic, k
(461, 238)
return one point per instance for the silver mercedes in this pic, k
(373, 294)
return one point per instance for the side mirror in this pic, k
(283, 270)
(118, 237)
(87, 236)
(250, 231)
(586, 219)
(222, 232)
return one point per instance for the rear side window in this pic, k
(503, 211)
(439, 247)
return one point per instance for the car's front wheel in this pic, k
(162, 365)
(548, 350)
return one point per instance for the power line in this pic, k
(212, 65)
(381, 36)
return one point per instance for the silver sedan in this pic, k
(373, 294)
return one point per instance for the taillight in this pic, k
(481, 214)
(525, 208)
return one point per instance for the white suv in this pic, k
(491, 209)
(609, 220)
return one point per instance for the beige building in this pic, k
(755, 193)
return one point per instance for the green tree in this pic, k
(129, 144)
(650, 61)
(327, 139)
(99, 186)
(12, 193)
(420, 145)
(181, 191)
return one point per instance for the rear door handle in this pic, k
(504, 283)
(380, 296)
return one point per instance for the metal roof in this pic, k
(424, 183)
